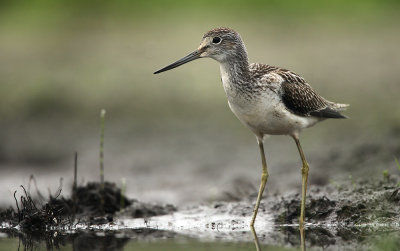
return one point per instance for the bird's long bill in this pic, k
(192, 56)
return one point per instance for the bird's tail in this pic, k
(332, 111)
(339, 107)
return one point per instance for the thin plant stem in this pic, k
(123, 191)
(101, 160)
(74, 188)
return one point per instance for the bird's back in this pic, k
(296, 94)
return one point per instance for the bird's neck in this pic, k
(236, 72)
(235, 64)
(235, 76)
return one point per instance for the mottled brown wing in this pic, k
(301, 99)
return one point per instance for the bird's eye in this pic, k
(216, 40)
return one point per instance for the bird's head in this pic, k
(221, 44)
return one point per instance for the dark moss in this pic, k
(89, 199)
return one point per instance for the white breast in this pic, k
(265, 113)
(228, 86)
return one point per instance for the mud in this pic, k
(345, 216)
(145, 210)
(341, 214)
(353, 215)
(361, 203)
(89, 204)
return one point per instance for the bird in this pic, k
(267, 99)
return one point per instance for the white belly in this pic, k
(268, 115)
(265, 113)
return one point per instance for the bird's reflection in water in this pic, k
(302, 239)
(115, 242)
(256, 242)
(91, 242)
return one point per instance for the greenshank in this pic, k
(269, 100)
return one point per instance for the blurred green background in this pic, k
(63, 61)
(68, 59)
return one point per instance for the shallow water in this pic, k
(178, 243)
(205, 228)
(153, 239)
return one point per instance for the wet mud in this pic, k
(90, 204)
(347, 214)
(358, 203)
(355, 215)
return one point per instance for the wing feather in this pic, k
(297, 95)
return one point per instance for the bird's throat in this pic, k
(235, 76)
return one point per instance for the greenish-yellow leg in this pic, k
(264, 178)
(304, 174)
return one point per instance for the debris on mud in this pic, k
(85, 205)
(33, 218)
(360, 203)
(346, 203)
(342, 215)
(41, 224)
(345, 215)
(8, 215)
(144, 210)
(89, 202)
(89, 199)
(316, 209)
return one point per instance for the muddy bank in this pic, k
(53, 224)
(346, 214)
(205, 165)
(343, 203)
(352, 215)
(90, 204)
(354, 203)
